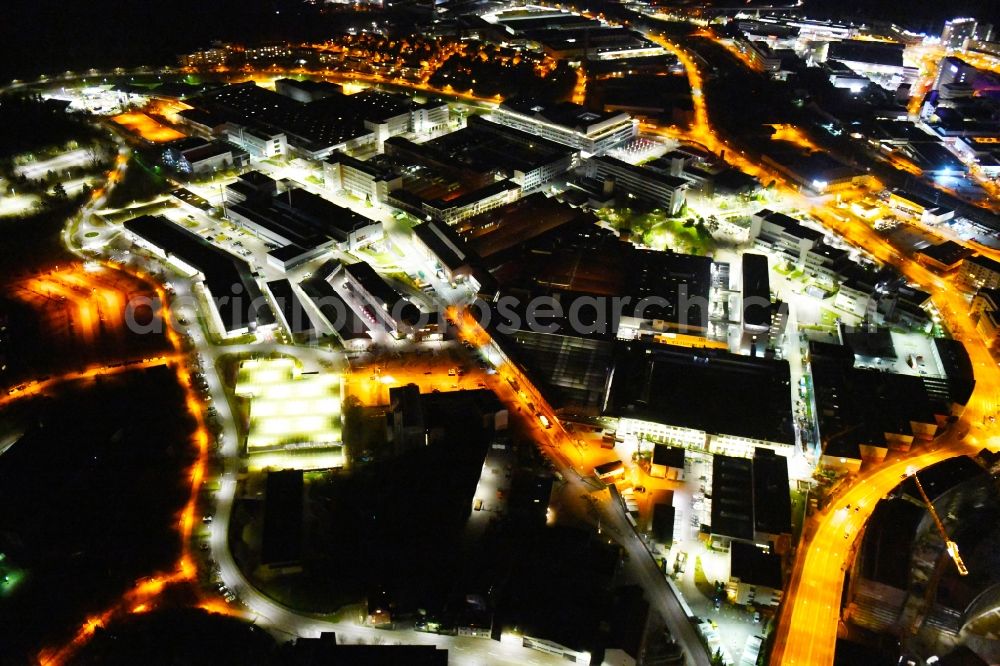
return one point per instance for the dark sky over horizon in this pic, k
(52, 35)
(928, 15)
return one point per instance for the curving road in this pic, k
(812, 600)
(807, 630)
(254, 605)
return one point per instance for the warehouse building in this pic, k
(569, 124)
(238, 305)
(703, 399)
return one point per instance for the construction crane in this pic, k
(950, 545)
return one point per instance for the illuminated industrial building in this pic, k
(701, 399)
(294, 418)
(569, 124)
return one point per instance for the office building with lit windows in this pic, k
(569, 124)
(957, 32)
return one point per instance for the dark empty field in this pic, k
(88, 501)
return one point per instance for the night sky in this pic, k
(54, 35)
(926, 15)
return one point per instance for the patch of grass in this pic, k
(120, 216)
(701, 582)
(384, 259)
(244, 339)
(828, 317)
(32, 242)
(403, 278)
(985, 626)
(655, 229)
(139, 184)
(798, 514)
(783, 267)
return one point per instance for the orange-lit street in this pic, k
(807, 631)
(302, 199)
(749, 59)
(38, 387)
(144, 596)
(701, 130)
(813, 596)
(928, 61)
(926, 58)
(812, 602)
(87, 302)
(990, 63)
(370, 384)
